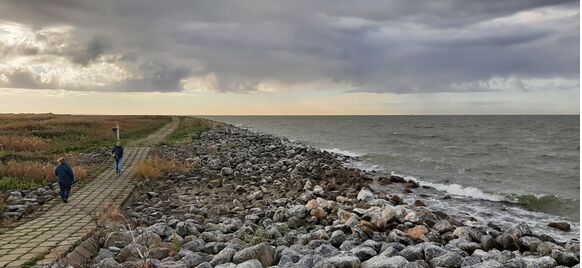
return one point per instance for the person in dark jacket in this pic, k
(118, 155)
(66, 178)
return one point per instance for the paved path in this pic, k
(54, 233)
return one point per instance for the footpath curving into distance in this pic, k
(53, 234)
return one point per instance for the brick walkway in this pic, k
(54, 233)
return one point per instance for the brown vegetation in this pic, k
(157, 167)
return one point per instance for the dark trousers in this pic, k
(65, 189)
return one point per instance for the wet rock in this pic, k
(443, 226)
(545, 248)
(385, 262)
(488, 243)
(564, 226)
(507, 241)
(564, 258)
(529, 243)
(365, 195)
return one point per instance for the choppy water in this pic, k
(532, 161)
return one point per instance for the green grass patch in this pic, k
(15, 184)
(188, 130)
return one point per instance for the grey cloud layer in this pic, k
(376, 46)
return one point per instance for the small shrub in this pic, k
(147, 171)
(109, 215)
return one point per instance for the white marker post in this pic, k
(116, 130)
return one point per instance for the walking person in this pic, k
(118, 155)
(66, 178)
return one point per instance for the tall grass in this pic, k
(36, 171)
(156, 168)
(21, 144)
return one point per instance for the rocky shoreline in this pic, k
(255, 200)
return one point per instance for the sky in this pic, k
(290, 57)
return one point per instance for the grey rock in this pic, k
(465, 245)
(529, 243)
(417, 264)
(194, 245)
(204, 265)
(471, 260)
(224, 256)
(226, 171)
(103, 254)
(171, 264)
(488, 243)
(363, 253)
(365, 195)
(432, 251)
(385, 262)
(148, 238)
(443, 226)
(545, 248)
(543, 262)
(254, 263)
(291, 255)
(131, 252)
(185, 228)
(262, 252)
(487, 264)
(507, 241)
(412, 253)
(326, 250)
(344, 261)
(337, 238)
(564, 258)
(194, 259)
(520, 230)
(161, 229)
(108, 263)
(310, 260)
(449, 260)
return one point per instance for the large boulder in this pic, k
(262, 252)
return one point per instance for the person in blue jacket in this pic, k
(118, 155)
(66, 178)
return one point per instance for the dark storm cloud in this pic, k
(377, 46)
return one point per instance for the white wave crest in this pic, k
(343, 152)
(458, 190)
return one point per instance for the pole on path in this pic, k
(116, 130)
